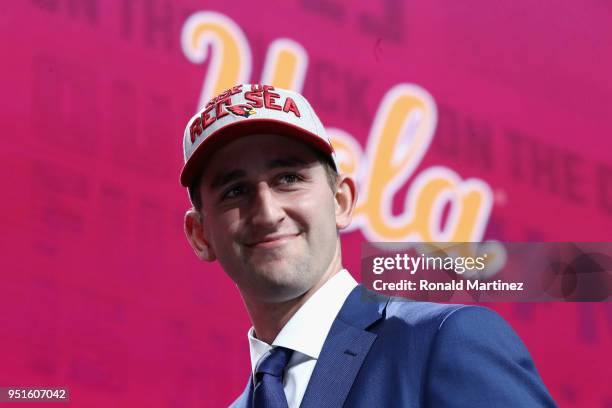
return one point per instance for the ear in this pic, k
(346, 198)
(194, 230)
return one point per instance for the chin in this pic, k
(277, 286)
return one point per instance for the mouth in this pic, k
(272, 241)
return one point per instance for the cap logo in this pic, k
(244, 110)
(259, 97)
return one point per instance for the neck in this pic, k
(269, 318)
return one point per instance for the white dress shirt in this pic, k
(305, 333)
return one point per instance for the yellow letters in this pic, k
(399, 138)
(285, 65)
(230, 62)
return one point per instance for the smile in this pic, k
(272, 241)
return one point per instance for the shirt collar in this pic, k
(314, 318)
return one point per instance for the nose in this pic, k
(267, 210)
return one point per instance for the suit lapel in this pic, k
(344, 350)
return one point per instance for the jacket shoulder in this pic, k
(419, 313)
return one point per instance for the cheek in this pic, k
(319, 213)
(221, 230)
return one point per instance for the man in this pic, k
(269, 205)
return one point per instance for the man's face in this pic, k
(268, 214)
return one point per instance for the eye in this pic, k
(289, 179)
(233, 192)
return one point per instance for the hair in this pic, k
(327, 162)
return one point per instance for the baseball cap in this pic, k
(249, 109)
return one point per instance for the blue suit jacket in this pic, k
(384, 352)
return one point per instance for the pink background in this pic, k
(100, 291)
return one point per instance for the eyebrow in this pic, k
(286, 162)
(225, 178)
(232, 175)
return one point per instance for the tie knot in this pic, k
(275, 362)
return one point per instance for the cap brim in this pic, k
(235, 130)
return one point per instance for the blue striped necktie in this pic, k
(268, 392)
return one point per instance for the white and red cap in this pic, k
(246, 110)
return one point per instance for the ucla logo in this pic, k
(398, 139)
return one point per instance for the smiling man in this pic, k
(268, 205)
